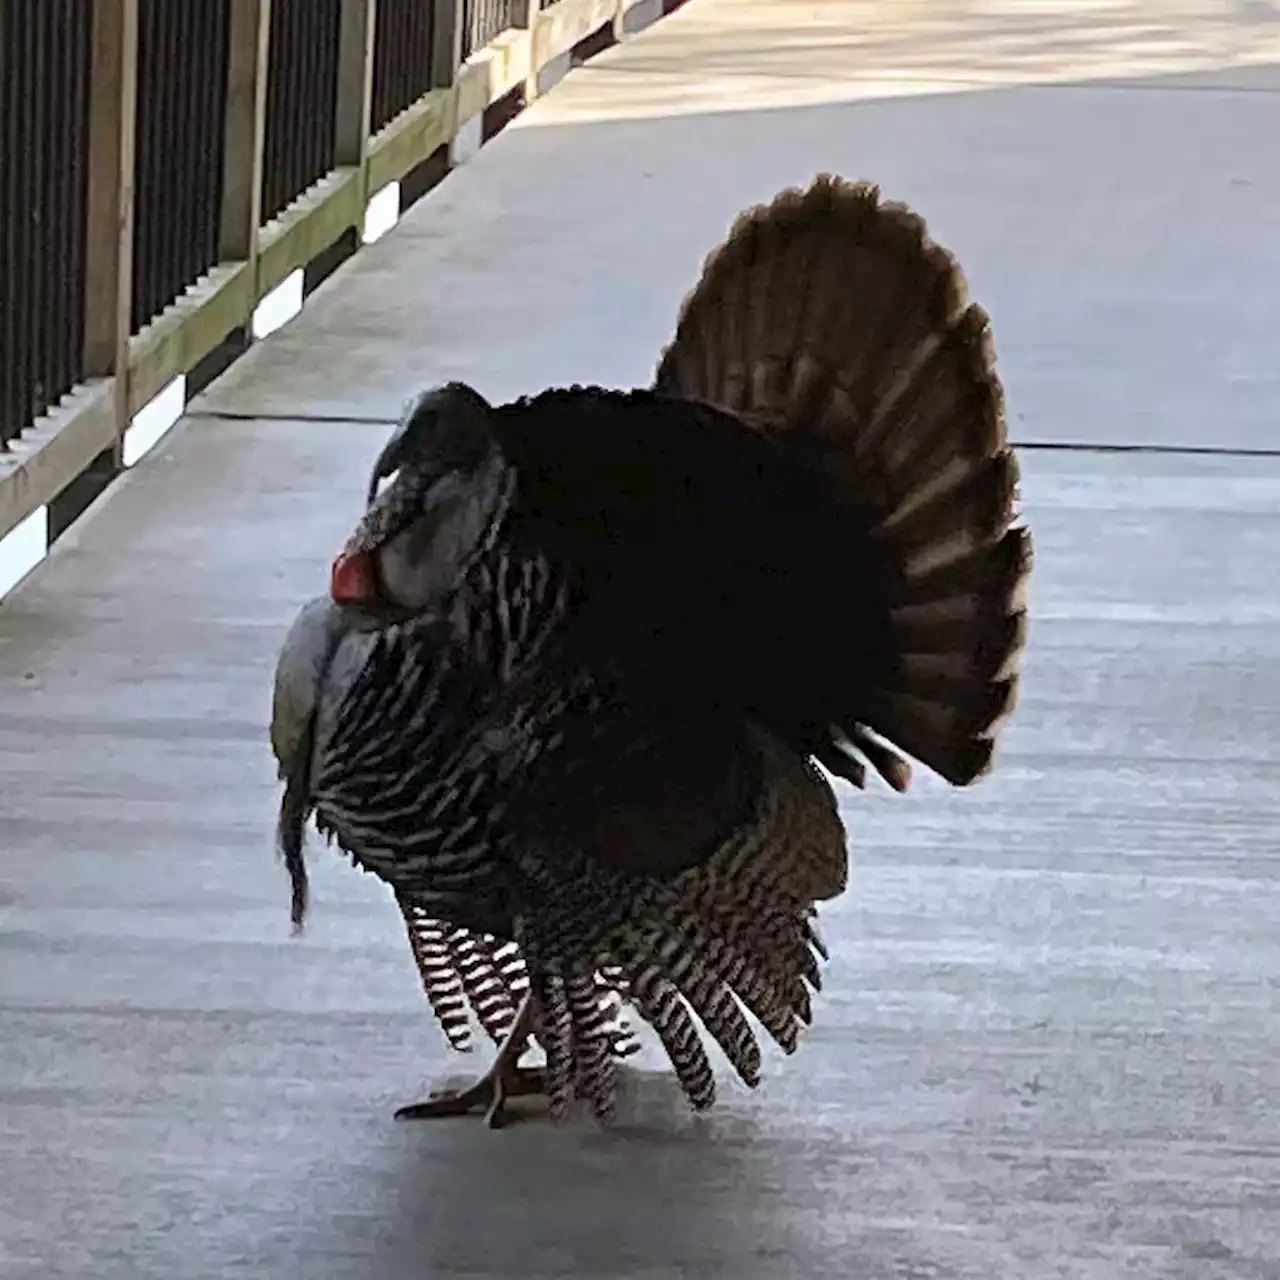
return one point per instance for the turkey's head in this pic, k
(432, 495)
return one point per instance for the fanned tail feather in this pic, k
(831, 320)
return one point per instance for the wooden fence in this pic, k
(166, 164)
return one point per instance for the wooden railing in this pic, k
(166, 164)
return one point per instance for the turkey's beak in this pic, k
(393, 453)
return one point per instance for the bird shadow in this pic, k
(660, 1193)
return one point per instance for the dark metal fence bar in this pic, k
(45, 48)
(181, 110)
(484, 19)
(401, 56)
(302, 87)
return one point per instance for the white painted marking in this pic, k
(154, 421)
(381, 213)
(279, 306)
(22, 548)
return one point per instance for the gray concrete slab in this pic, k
(1049, 1044)
(1105, 171)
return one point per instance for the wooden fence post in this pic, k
(355, 87)
(531, 11)
(113, 91)
(246, 116)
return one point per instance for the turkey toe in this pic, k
(489, 1094)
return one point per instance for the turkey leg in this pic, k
(505, 1079)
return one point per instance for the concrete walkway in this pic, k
(1051, 1044)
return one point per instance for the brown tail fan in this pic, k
(829, 318)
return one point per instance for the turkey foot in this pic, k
(505, 1079)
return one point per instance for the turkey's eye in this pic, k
(353, 578)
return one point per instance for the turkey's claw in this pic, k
(505, 1079)
(490, 1092)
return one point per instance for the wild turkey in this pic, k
(584, 649)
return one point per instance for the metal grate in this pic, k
(302, 95)
(484, 19)
(401, 56)
(45, 50)
(182, 98)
